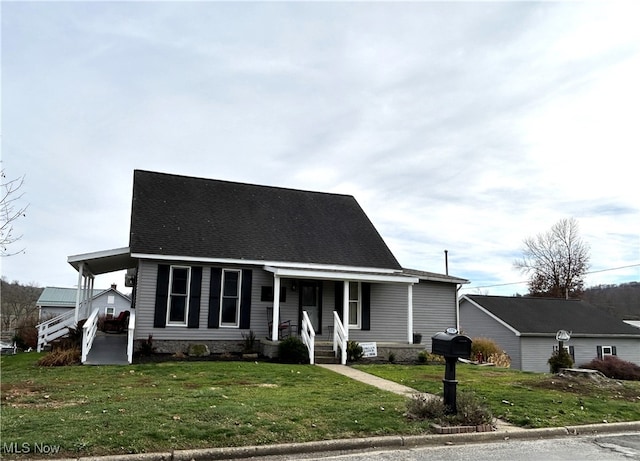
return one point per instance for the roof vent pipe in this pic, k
(446, 262)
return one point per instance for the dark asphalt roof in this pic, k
(204, 218)
(548, 315)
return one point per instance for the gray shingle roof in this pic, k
(205, 218)
(548, 315)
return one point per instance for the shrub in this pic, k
(146, 347)
(615, 368)
(73, 339)
(26, 335)
(293, 350)
(249, 342)
(423, 357)
(471, 410)
(354, 351)
(560, 359)
(501, 360)
(392, 357)
(60, 358)
(485, 346)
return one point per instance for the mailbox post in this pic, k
(451, 346)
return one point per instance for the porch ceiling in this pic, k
(102, 262)
(322, 274)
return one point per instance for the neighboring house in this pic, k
(526, 327)
(56, 301)
(214, 260)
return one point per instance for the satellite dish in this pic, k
(563, 335)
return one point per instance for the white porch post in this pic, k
(345, 309)
(276, 308)
(410, 313)
(78, 294)
(92, 279)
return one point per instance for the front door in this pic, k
(311, 301)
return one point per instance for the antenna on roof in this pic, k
(446, 262)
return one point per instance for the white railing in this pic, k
(89, 330)
(55, 328)
(308, 336)
(132, 326)
(339, 338)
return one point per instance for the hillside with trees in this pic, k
(622, 301)
(18, 307)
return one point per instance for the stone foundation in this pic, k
(182, 347)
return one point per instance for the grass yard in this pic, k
(528, 399)
(98, 410)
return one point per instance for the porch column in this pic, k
(345, 309)
(410, 313)
(78, 293)
(276, 308)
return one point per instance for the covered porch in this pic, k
(347, 309)
(90, 265)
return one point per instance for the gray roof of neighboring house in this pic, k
(66, 297)
(548, 315)
(203, 218)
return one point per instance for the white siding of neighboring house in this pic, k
(537, 350)
(477, 324)
(119, 303)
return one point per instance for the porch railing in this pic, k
(339, 338)
(55, 328)
(308, 335)
(132, 326)
(89, 330)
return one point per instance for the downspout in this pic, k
(410, 314)
(458, 288)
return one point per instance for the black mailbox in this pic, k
(451, 344)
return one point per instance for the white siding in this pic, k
(477, 324)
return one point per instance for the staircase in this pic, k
(324, 353)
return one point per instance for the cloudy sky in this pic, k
(460, 126)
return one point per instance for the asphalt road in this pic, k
(601, 448)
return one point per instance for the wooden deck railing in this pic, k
(89, 330)
(339, 338)
(54, 328)
(130, 330)
(308, 335)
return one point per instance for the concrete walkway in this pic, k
(375, 381)
(386, 385)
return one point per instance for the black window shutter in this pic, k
(214, 297)
(162, 292)
(339, 298)
(366, 306)
(245, 299)
(613, 350)
(599, 351)
(194, 297)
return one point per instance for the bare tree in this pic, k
(9, 212)
(556, 261)
(18, 305)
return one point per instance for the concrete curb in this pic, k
(371, 443)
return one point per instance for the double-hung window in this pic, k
(178, 302)
(230, 299)
(355, 304)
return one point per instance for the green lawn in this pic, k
(91, 410)
(528, 399)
